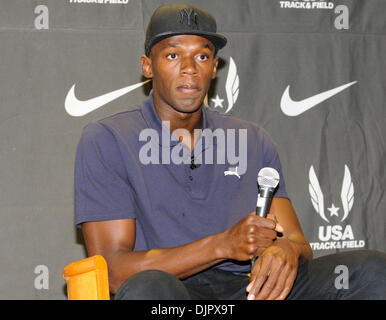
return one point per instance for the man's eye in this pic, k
(202, 57)
(172, 56)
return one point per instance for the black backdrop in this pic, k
(333, 153)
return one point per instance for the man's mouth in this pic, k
(188, 88)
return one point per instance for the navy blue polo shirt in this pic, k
(173, 203)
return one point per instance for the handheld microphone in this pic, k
(267, 181)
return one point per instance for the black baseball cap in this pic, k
(178, 19)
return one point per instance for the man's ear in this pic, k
(147, 70)
(214, 72)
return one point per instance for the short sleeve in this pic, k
(102, 189)
(272, 159)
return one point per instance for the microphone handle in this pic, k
(263, 205)
(264, 200)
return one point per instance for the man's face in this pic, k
(182, 68)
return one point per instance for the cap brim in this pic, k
(218, 40)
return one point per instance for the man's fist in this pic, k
(249, 237)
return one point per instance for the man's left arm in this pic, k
(274, 272)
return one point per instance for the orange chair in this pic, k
(87, 279)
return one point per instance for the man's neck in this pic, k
(188, 122)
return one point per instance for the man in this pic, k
(188, 229)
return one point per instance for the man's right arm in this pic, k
(115, 239)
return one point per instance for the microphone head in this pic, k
(268, 177)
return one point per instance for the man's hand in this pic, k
(274, 272)
(250, 237)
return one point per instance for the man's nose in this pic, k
(188, 66)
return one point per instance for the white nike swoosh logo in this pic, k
(294, 108)
(78, 108)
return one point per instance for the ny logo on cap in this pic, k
(188, 17)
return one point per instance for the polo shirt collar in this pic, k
(153, 120)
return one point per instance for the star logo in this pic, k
(218, 102)
(333, 210)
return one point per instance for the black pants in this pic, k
(322, 278)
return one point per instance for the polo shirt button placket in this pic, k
(192, 167)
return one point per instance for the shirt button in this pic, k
(190, 178)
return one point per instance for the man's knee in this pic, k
(152, 285)
(368, 277)
(372, 261)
